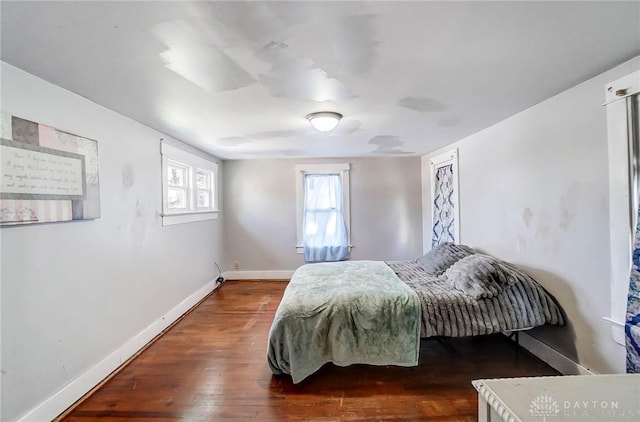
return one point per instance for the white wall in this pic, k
(72, 293)
(260, 211)
(534, 191)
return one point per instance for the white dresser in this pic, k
(597, 398)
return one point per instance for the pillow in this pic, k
(478, 276)
(442, 256)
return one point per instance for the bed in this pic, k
(375, 312)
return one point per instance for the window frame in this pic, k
(209, 189)
(193, 164)
(343, 170)
(623, 191)
(185, 188)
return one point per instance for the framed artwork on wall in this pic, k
(46, 175)
(445, 203)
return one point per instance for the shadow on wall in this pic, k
(561, 338)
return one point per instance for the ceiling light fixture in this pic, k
(324, 121)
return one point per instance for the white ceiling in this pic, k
(236, 79)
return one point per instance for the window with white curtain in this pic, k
(323, 212)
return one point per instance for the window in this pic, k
(189, 186)
(323, 222)
(203, 189)
(177, 190)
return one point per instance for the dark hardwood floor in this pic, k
(212, 366)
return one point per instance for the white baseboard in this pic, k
(69, 394)
(551, 356)
(617, 331)
(257, 275)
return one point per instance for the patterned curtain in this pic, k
(443, 206)
(632, 326)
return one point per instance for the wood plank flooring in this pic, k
(211, 366)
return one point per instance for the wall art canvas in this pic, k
(47, 175)
(444, 195)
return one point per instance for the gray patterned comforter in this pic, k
(447, 311)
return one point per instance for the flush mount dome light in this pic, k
(324, 121)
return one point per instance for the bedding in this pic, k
(374, 312)
(344, 312)
(441, 257)
(447, 311)
(478, 276)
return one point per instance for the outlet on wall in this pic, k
(236, 265)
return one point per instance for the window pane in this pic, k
(203, 179)
(322, 192)
(176, 198)
(177, 175)
(204, 199)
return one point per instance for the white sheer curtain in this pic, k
(324, 230)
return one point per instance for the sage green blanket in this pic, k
(344, 312)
